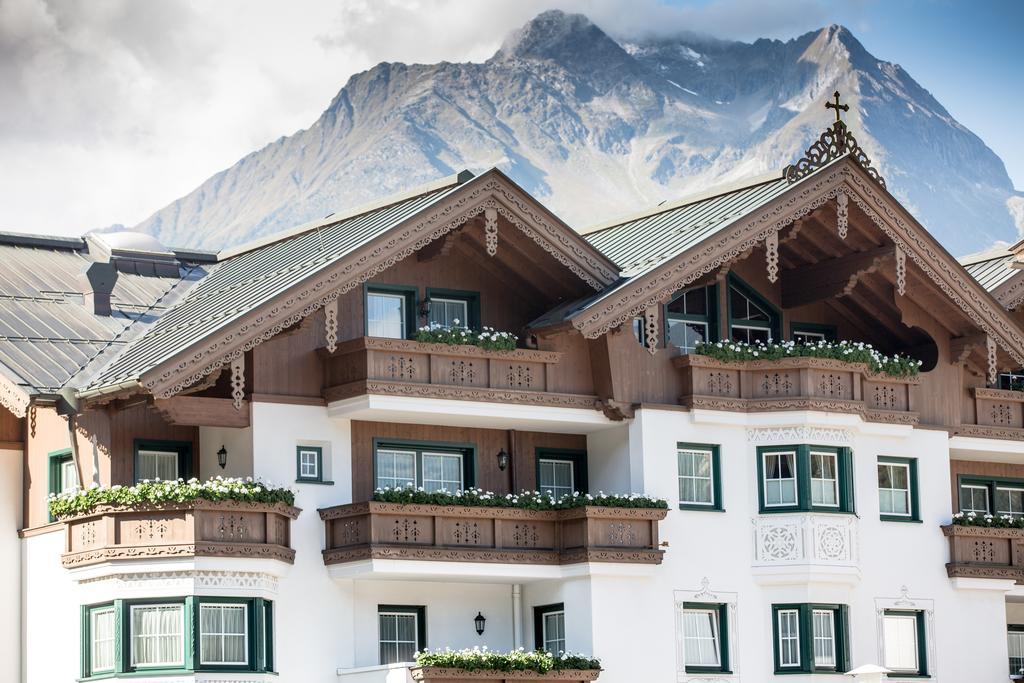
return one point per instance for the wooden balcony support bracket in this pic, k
(832, 277)
(375, 530)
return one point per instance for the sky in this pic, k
(111, 109)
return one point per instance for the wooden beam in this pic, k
(513, 256)
(441, 246)
(831, 278)
(202, 411)
(473, 251)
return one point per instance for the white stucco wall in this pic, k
(10, 563)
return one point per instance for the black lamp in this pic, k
(480, 621)
(222, 457)
(503, 458)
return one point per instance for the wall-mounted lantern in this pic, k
(480, 621)
(503, 459)
(222, 457)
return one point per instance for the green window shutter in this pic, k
(803, 477)
(922, 645)
(723, 628)
(847, 501)
(191, 633)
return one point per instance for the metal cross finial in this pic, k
(838, 107)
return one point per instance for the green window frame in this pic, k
(684, 299)
(410, 296)
(690, 478)
(794, 469)
(920, 667)
(540, 615)
(259, 643)
(720, 611)
(419, 611)
(57, 462)
(310, 470)
(469, 298)
(811, 332)
(800, 642)
(466, 451)
(183, 449)
(990, 495)
(576, 458)
(887, 469)
(736, 322)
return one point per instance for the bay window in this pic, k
(810, 638)
(690, 318)
(805, 478)
(157, 635)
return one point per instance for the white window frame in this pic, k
(222, 634)
(173, 456)
(765, 479)
(463, 319)
(695, 478)
(835, 482)
(544, 631)
(716, 636)
(180, 662)
(418, 467)
(415, 630)
(303, 474)
(794, 636)
(907, 491)
(541, 462)
(402, 312)
(403, 451)
(93, 613)
(885, 653)
(976, 487)
(68, 484)
(819, 336)
(686, 348)
(444, 455)
(829, 638)
(1005, 512)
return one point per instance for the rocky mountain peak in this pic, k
(557, 36)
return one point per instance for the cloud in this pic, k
(110, 109)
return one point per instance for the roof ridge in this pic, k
(333, 218)
(693, 198)
(27, 239)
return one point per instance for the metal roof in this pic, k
(47, 333)
(253, 275)
(992, 269)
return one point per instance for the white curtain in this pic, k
(442, 471)
(396, 469)
(222, 634)
(156, 632)
(900, 642)
(397, 637)
(700, 632)
(824, 638)
(385, 315)
(157, 465)
(101, 657)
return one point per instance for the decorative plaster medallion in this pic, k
(798, 434)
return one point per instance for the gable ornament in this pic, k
(901, 271)
(651, 329)
(491, 231)
(842, 214)
(331, 325)
(238, 381)
(990, 352)
(771, 254)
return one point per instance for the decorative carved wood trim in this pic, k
(842, 214)
(990, 354)
(413, 346)
(238, 381)
(836, 141)
(901, 272)
(459, 393)
(960, 348)
(427, 674)
(491, 231)
(203, 411)
(771, 255)
(331, 325)
(813, 191)
(13, 397)
(490, 191)
(652, 329)
(1011, 293)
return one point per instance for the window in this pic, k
(446, 467)
(390, 311)
(811, 333)
(165, 460)
(223, 634)
(549, 628)
(402, 632)
(1015, 647)
(700, 486)
(897, 489)
(805, 478)
(690, 318)
(309, 464)
(1012, 381)
(561, 472)
(63, 475)
(453, 308)
(810, 638)
(157, 635)
(102, 635)
(992, 496)
(903, 642)
(705, 638)
(751, 318)
(180, 634)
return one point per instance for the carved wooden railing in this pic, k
(409, 368)
(373, 530)
(196, 529)
(998, 414)
(429, 674)
(797, 384)
(985, 553)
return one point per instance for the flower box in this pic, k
(427, 674)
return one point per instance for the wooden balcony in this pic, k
(185, 530)
(402, 367)
(429, 674)
(985, 553)
(797, 384)
(997, 414)
(396, 531)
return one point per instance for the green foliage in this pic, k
(487, 338)
(999, 522)
(482, 659)
(525, 500)
(851, 352)
(159, 492)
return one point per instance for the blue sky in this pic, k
(970, 55)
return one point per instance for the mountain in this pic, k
(597, 127)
